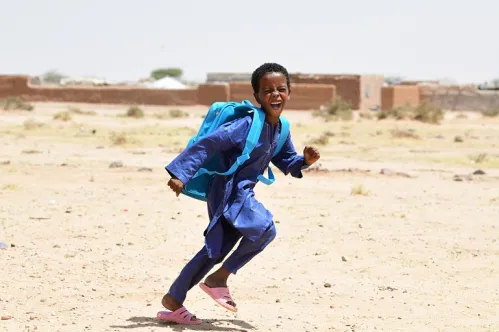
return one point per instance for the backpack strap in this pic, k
(251, 140)
(283, 136)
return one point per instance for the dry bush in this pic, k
(428, 113)
(62, 116)
(135, 112)
(321, 140)
(478, 158)
(366, 115)
(424, 112)
(337, 110)
(397, 113)
(404, 133)
(359, 190)
(76, 110)
(16, 104)
(30, 124)
(118, 138)
(176, 113)
(491, 113)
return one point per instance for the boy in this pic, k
(232, 207)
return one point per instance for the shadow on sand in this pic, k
(229, 325)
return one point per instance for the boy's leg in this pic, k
(197, 268)
(240, 257)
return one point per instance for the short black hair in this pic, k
(265, 69)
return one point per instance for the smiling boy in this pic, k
(234, 212)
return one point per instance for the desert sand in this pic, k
(94, 247)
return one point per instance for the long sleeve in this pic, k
(288, 161)
(224, 138)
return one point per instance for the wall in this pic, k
(347, 86)
(13, 85)
(303, 96)
(18, 86)
(460, 98)
(210, 93)
(399, 95)
(371, 86)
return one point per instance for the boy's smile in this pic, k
(273, 95)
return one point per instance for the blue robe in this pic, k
(232, 196)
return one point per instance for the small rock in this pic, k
(145, 169)
(6, 162)
(327, 285)
(116, 164)
(277, 301)
(6, 317)
(461, 178)
(478, 172)
(458, 139)
(344, 258)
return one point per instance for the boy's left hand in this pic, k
(311, 155)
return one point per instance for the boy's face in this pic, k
(273, 94)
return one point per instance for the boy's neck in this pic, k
(272, 120)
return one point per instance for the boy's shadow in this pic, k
(207, 325)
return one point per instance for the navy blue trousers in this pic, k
(201, 264)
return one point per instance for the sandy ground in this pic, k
(94, 248)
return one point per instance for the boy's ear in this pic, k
(257, 98)
(289, 94)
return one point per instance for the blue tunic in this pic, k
(232, 196)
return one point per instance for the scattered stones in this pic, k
(31, 152)
(478, 172)
(458, 139)
(6, 162)
(6, 317)
(461, 178)
(327, 285)
(116, 164)
(389, 172)
(316, 168)
(145, 169)
(344, 258)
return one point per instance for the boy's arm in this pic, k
(288, 161)
(226, 137)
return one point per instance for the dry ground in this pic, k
(94, 248)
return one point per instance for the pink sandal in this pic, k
(221, 295)
(180, 316)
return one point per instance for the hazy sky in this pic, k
(126, 39)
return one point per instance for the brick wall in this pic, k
(303, 96)
(18, 86)
(393, 96)
(348, 87)
(210, 93)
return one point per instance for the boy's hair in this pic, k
(265, 69)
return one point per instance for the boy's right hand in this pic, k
(176, 185)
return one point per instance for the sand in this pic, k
(94, 248)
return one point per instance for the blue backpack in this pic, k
(218, 114)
